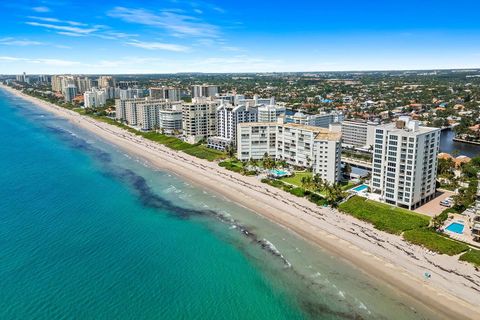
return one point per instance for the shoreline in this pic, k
(383, 256)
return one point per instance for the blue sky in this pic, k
(62, 36)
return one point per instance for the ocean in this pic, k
(89, 232)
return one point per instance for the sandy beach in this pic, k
(453, 290)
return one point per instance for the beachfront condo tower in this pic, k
(404, 167)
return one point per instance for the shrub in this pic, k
(299, 192)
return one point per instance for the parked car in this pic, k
(445, 203)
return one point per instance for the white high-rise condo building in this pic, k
(404, 167)
(198, 119)
(270, 112)
(106, 81)
(170, 118)
(131, 93)
(204, 90)
(83, 84)
(168, 93)
(358, 133)
(143, 114)
(227, 118)
(299, 145)
(94, 98)
(69, 92)
(322, 119)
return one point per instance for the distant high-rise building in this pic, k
(94, 98)
(56, 82)
(204, 90)
(198, 119)
(148, 114)
(270, 112)
(70, 92)
(358, 133)
(131, 93)
(83, 84)
(168, 93)
(125, 84)
(404, 167)
(106, 81)
(317, 120)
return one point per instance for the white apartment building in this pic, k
(240, 99)
(168, 93)
(106, 81)
(198, 119)
(120, 110)
(227, 119)
(404, 164)
(255, 139)
(131, 93)
(94, 98)
(170, 118)
(69, 92)
(358, 133)
(83, 84)
(140, 113)
(270, 113)
(322, 119)
(204, 90)
(299, 145)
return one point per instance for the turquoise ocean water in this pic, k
(89, 232)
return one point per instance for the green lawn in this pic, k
(296, 179)
(435, 242)
(232, 165)
(202, 152)
(472, 256)
(383, 216)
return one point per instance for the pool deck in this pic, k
(466, 236)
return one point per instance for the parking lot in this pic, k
(433, 207)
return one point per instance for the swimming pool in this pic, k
(360, 188)
(279, 173)
(456, 227)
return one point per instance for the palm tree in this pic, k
(268, 162)
(333, 193)
(318, 182)
(230, 151)
(307, 182)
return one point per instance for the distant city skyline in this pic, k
(221, 36)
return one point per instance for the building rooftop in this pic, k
(321, 133)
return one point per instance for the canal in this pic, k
(449, 146)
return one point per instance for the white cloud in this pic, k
(16, 42)
(55, 20)
(232, 49)
(177, 24)
(70, 34)
(68, 29)
(158, 46)
(44, 61)
(41, 9)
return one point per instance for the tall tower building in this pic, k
(404, 167)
